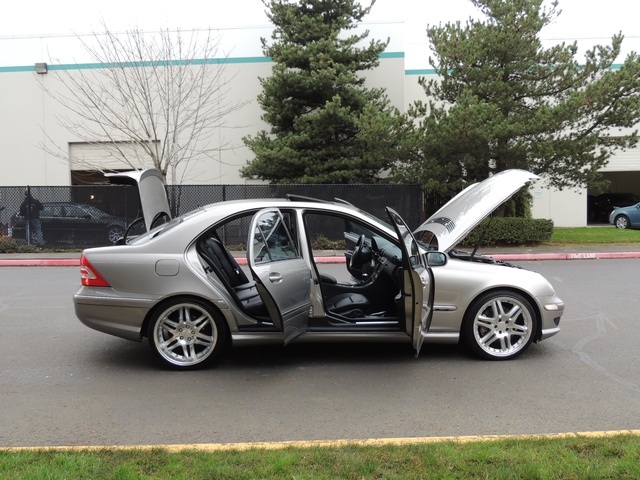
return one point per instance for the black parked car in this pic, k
(75, 223)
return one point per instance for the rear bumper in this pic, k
(102, 309)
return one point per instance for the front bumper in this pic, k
(551, 311)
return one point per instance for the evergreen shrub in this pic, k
(511, 231)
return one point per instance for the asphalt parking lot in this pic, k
(63, 384)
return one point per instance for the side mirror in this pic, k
(436, 259)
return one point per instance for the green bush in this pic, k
(511, 231)
(323, 243)
(9, 245)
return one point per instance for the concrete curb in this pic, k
(40, 262)
(376, 442)
(509, 257)
(564, 256)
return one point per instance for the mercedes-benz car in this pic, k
(183, 286)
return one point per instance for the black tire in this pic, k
(187, 334)
(622, 222)
(499, 325)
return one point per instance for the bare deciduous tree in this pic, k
(156, 98)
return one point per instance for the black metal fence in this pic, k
(80, 216)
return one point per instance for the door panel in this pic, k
(282, 276)
(418, 283)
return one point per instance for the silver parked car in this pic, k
(179, 285)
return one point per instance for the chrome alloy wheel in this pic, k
(114, 234)
(503, 325)
(622, 222)
(185, 334)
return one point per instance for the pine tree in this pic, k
(502, 100)
(323, 118)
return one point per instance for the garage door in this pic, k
(108, 156)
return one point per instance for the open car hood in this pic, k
(153, 195)
(466, 210)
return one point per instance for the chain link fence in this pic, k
(94, 215)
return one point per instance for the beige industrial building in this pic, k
(30, 121)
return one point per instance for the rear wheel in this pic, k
(186, 333)
(622, 222)
(499, 325)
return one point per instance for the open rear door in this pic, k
(282, 276)
(418, 284)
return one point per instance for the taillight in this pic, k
(89, 276)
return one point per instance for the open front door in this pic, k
(418, 283)
(282, 276)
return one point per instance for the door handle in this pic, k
(275, 277)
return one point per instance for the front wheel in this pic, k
(186, 334)
(499, 325)
(622, 222)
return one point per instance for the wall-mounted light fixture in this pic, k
(41, 68)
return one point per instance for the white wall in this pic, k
(567, 208)
(30, 119)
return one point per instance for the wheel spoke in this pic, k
(203, 339)
(190, 351)
(170, 345)
(200, 322)
(514, 312)
(169, 325)
(484, 321)
(488, 339)
(519, 330)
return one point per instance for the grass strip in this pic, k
(572, 457)
(593, 236)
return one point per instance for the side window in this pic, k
(74, 211)
(232, 232)
(327, 231)
(271, 240)
(52, 211)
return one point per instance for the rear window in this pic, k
(165, 227)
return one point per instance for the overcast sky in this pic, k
(43, 30)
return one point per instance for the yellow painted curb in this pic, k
(378, 442)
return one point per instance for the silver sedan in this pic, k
(180, 286)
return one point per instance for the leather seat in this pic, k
(228, 270)
(346, 303)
